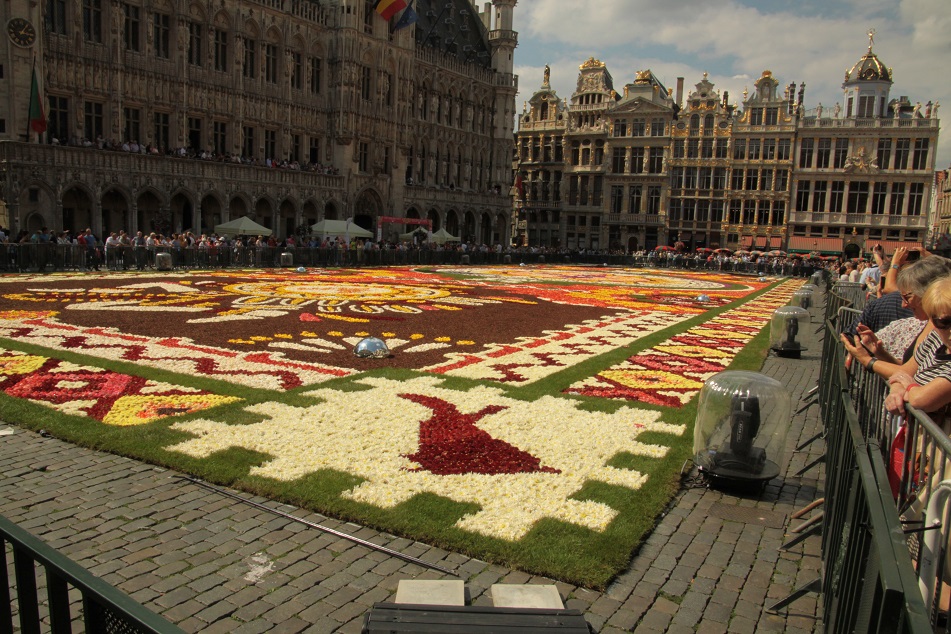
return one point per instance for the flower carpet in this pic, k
(523, 411)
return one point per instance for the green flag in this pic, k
(37, 116)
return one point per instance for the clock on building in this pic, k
(21, 31)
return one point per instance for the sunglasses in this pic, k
(942, 323)
(907, 297)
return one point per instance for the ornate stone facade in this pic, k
(171, 116)
(647, 168)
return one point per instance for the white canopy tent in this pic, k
(339, 228)
(242, 226)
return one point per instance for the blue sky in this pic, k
(811, 41)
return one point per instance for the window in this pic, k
(248, 145)
(694, 125)
(708, 125)
(823, 153)
(250, 58)
(637, 127)
(805, 153)
(620, 127)
(194, 133)
(160, 129)
(769, 149)
(762, 213)
(901, 153)
(866, 106)
(617, 198)
(802, 196)
(858, 197)
(705, 178)
(756, 116)
(819, 195)
(836, 196)
(897, 203)
(754, 150)
(270, 64)
(879, 195)
(916, 194)
(739, 149)
(617, 160)
(160, 34)
(749, 212)
(194, 43)
(752, 176)
(722, 150)
(783, 150)
(637, 160)
(92, 119)
(92, 21)
(706, 149)
(56, 16)
(366, 83)
(884, 153)
(766, 180)
(133, 130)
(221, 50)
(131, 25)
(368, 13)
(779, 213)
(719, 178)
(920, 159)
(734, 213)
(363, 155)
(782, 180)
(314, 150)
(297, 71)
(270, 144)
(219, 137)
(658, 127)
(656, 164)
(772, 116)
(693, 148)
(315, 75)
(59, 117)
(736, 182)
(634, 195)
(841, 153)
(653, 199)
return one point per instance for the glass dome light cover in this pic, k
(740, 432)
(785, 328)
(801, 298)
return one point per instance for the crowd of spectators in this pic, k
(134, 147)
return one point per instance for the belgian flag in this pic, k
(389, 8)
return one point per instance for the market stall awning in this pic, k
(776, 242)
(805, 244)
(746, 242)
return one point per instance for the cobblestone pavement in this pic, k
(210, 564)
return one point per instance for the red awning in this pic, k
(804, 244)
(775, 242)
(746, 241)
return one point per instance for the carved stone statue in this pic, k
(917, 111)
(836, 110)
(819, 111)
(934, 110)
(546, 77)
(896, 109)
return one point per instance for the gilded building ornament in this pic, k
(592, 63)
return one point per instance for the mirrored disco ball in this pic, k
(301, 269)
(371, 348)
(703, 298)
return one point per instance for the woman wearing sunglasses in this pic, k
(928, 387)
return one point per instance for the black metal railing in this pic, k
(868, 583)
(103, 608)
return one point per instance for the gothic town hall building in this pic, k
(173, 115)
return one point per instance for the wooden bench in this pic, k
(386, 618)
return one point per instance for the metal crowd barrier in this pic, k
(49, 257)
(868, 581)
(852, 292)
(104, 609)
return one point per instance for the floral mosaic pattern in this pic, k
(519, 461)
(673, 372)
(109, 397)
